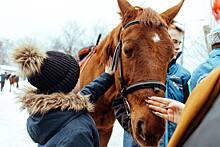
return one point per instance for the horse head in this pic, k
(142, 50)
(7, 76)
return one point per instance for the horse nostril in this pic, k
(140, 129)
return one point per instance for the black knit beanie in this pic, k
(49, 72)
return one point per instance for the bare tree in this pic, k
(72, 37)
(195, 51)
(2, 54)
(99, 28)
(57, 44)
(199, 48)
(5, 48)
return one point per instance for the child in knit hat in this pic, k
(58, 116)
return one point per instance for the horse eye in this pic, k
(128, 52)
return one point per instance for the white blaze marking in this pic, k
(156, 38)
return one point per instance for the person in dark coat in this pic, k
(2, 80)
(58, 116)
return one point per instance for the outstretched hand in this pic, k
(108, 67)
(166, 108)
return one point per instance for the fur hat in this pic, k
(214, 35)
(49, 72)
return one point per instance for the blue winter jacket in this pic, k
(176, 89)
(205, 68)
(70, 127)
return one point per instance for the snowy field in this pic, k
(13, 122)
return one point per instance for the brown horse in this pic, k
(13, 79)
(142, 49)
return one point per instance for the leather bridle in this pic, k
(117, 61)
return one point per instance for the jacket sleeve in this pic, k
(98, 87)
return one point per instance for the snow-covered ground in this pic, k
(13, 122)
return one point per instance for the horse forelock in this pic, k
(146, 15)
(151, 18)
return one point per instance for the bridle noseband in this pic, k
(117, 61)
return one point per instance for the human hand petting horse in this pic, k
(166, 108)
(108, 67)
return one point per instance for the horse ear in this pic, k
(169, 14)
(126, 10)
(124, 6)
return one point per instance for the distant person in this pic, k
(213, 60)
(58, 116)
(2, 79)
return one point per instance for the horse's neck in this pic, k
(91, 70)
(104, 49)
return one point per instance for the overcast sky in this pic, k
(44, 18)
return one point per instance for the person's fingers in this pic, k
(108, 64)
(158, 109)
(110, 59)
(164, 116)
(156, 103)
(171, 106)
(170, 114)
(108, 67)
(160, 99)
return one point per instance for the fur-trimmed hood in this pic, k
(41, 103)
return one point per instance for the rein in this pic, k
(117, 61)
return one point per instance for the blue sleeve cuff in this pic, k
(98, 87)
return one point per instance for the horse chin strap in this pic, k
(117, 61)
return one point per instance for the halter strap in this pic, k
(131, 23)
(117, 61)
(156, 85)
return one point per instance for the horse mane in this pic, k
(151, 18)
(106, 47)
(146, 15)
